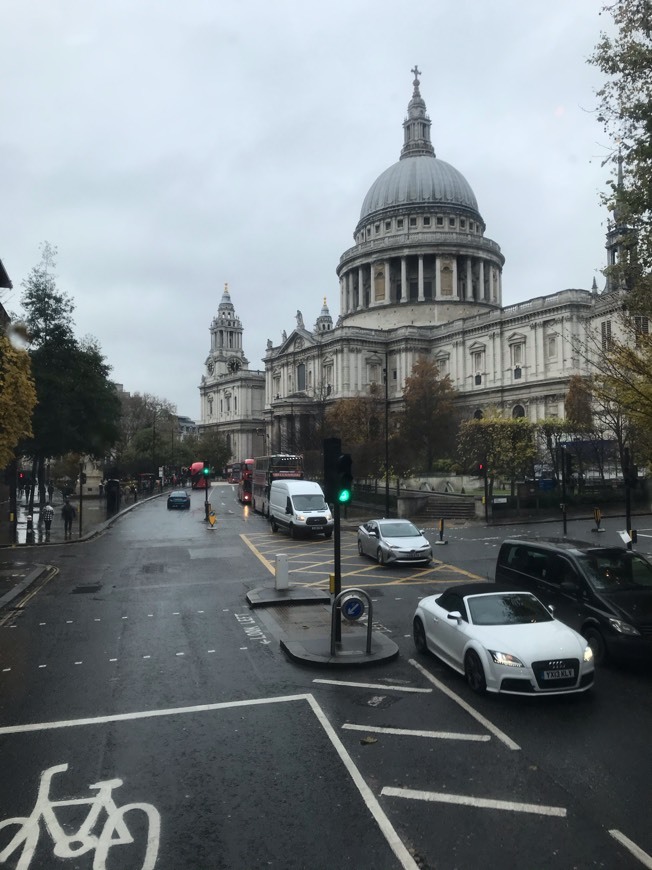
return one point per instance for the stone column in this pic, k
(469, 278)
(481, 290)
(456, 289)
(388, 288)
(404, 286)
(420, 295)
(360, 288)
(437, 277)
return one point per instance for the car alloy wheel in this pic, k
(360, 548)
(598, 646)
(273, 525)
(419, 635)
(474, 672)
(379, 556)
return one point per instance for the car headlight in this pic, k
(624, 627)
(588, 654)
(506, 659)
(301, 518)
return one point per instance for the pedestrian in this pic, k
(48, 515)
(50, 491)
(68, 513)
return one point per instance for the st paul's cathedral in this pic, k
(421, 278)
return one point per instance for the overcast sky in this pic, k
(167, 148)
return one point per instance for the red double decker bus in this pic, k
(198, 480)
(233, 472)
(246, 479)
(281, 466)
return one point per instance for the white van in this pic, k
(300, 507)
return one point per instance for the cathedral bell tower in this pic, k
(226, 356)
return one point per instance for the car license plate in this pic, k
(563, 674)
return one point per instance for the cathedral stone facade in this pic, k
(421, 279)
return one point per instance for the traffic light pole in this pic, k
(81, 496)
(628, 495)
(337, 569)
(205, 473)
(564, 462)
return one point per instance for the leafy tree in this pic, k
(428, 422)
(506, 447)
(17, 398)
(148, 434)
(77, 408)
(625, 110)
(552, 432)
(213, 449)
(48, 312)
(578, 404)
(360, 423)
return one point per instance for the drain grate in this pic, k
(81, 590)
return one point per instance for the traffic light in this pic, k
(569, 466)
(82, 477)
(482, 469)
(206, 470)
(344, 478)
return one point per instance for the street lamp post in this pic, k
(386, 433)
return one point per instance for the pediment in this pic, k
(297, 340)
(515, 338)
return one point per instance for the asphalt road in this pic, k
(140, 666)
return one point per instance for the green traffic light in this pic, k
(344, 496)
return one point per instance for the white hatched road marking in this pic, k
(469, 709)
(631, 846)
(373, 686)
(406, 732)
(467, 800)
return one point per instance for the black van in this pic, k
(605, 593)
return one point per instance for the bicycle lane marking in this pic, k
(385, 826)
(114, 831)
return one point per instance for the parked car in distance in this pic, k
(503, 641)
(392, 542)
(605, 593)
(179, 499)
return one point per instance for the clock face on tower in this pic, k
(233, 365)
(211, 366)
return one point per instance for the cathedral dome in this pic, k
(422, 179)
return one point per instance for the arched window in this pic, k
(478, 415)
(518, 411)
(301, 376)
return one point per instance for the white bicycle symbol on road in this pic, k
(113, 833)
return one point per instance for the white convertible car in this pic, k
(503, 641)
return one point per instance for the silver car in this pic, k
(393, 541)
